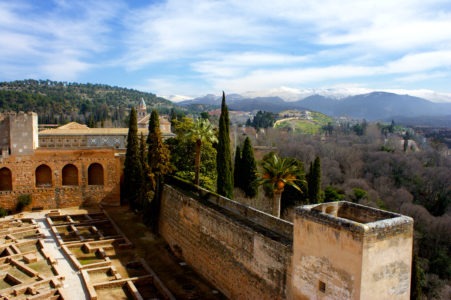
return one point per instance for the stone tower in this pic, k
(343, 250)
(18, 133)
(141, 109)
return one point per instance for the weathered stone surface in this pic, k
(344, 250)
(238, 260)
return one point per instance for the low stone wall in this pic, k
(228, 243)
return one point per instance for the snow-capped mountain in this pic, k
(377, 105)
(293, 94)
(176, 98)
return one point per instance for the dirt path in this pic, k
(180, 279)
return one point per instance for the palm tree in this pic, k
(202, 132)
(278, 172)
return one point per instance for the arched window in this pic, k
(95, 174)
(43, 176)
(70, 175)
(6, 182)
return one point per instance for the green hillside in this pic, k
(62, 102)
(308, 122)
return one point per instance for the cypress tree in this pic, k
(237, 168)
(157, 154)
(145, 170)
(143, 152)
(158, 160)
(132, 167)
(249, 169)
(314, 181)
(224, 184)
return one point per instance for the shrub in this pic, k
(23, 201)
(3, 212)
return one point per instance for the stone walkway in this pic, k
(73, 287)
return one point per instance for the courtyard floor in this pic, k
(76, 231)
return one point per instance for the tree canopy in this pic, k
(202, 132)
(276, 173)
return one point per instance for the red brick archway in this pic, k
(70, 175)
(6, 183)
(95, 174)
(43, 176)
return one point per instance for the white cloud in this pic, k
(264, 79)
(188, 47)
(420, 77)
(236, 64)
(419, 62)
(173, 85)
(54, 43)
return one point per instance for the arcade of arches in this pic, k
(62, 178)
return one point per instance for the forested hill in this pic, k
(62, 102)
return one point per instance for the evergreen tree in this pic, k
(248, 169)
(133, 173)
(158, 154)
(237, 169)
(145, 169)
(314, 181)
(159, 164)
(224, 184)
(143, 152)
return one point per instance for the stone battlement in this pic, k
(356, 218)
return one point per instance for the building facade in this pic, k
(72, 173)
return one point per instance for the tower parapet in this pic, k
(344, 250)
(18, 133)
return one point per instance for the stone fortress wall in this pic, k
(336, 250)
(242, 258)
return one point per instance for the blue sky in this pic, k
(197, 47)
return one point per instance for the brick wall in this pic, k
(241, 257)
(23, 175)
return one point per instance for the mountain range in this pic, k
(373, 106)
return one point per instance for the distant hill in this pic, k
(62, 102)
(375, 106)
(237, 102)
